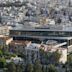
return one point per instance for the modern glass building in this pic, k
(58, 33)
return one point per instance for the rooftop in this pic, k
(4, 37)
(67, 28)
(19, 42)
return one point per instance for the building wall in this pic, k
(63, 58)
(40, 33)
(4, 30)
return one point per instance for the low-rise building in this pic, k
(31, 50)
(5, 40)
(4, 30)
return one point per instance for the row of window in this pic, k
(43, 33)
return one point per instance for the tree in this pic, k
(69, 58)
(51, 68)
(2, 62)
(11, 67)
(19, 68)
(43, 68)
(29, 68)
(43, 56)
(69, 62)
(37, 66)
(1, 53)
(56, 56)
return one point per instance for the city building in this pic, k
(61, 33)
(32, 50)
(4, 30)
(5, 40)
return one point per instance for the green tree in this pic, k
(69, 62)
(2, 62)
(19, 68)
(69, 58)
(43, 56)
(29, 68)
(43, 69)
(1, 53)
(56, 56)
(51, 68)
(37, 66)
(11, 67)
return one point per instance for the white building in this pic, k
(32, 49)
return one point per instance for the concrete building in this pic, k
(61, 33)
(31, 50)
(5, 40)
(4, 30)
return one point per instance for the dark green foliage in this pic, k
(11, 67)
(51, 68)
(2, 62)
(69, 63)
(56, 56)
(1, 53)
(29, 68)
(37, 66)
(19, 68)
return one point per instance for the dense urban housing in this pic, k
(35, 35)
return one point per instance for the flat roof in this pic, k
(19, 42)
(45, 29)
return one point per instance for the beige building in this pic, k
(4, 30)
(5, 40)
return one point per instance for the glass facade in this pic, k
(19, 35)
(41, 33)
